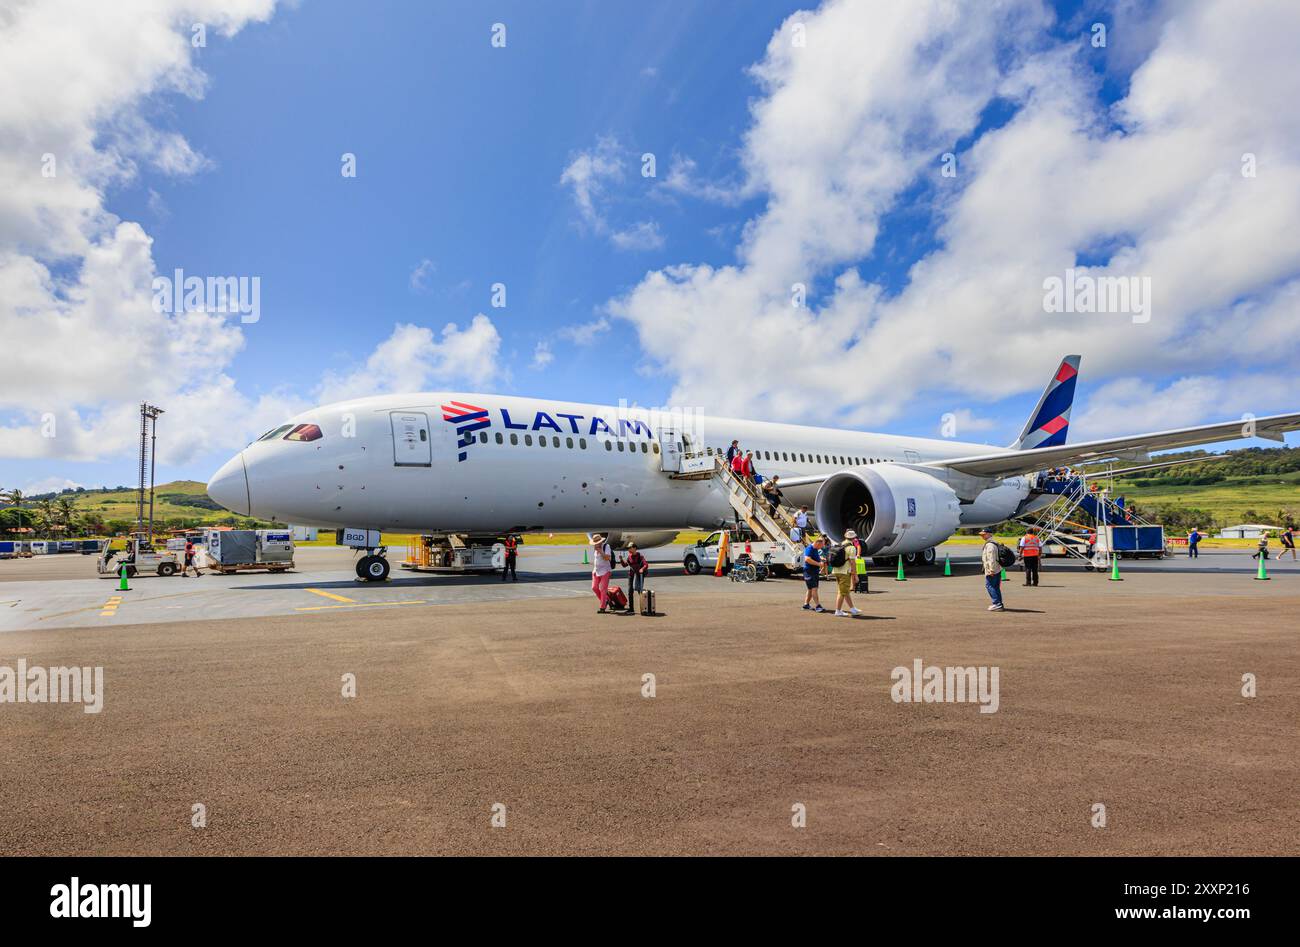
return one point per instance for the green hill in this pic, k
(178, 503)
(1255, 485)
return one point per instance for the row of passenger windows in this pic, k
(569, 442)
(792, 457)
(651, 447)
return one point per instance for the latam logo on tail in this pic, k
(1051, 419)
(468, 419)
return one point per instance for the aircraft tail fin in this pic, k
(1050, 421)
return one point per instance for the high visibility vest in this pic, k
(1030, 545)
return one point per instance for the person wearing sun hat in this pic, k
(845, 573)
(992, 569)
(602, 567)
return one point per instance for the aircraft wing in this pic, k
(1009, 463)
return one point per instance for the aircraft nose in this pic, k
(229, 486)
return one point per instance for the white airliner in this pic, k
(490, 465)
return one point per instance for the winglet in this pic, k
(1050, 422)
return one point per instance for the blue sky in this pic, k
(460, 150)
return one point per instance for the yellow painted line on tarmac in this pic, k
(318, 608)
(337, 598)
(109, 608)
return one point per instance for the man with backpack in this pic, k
(843, 563)
(992, 563)
(1288, 542)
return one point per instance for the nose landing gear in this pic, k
(372, 568)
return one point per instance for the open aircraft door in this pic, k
(411, 443)
(670, 450)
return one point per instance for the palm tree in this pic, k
(15, 496)
(67, 513)
(47, 514)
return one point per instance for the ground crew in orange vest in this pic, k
(511, 560)
(1031, 553)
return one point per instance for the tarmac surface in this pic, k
(227, 692)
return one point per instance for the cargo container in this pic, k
(236, 550)
(1132, 542)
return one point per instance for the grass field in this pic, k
(1227, 502)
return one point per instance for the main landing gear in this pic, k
(911, 560)
(373, 567)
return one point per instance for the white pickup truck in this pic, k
(703, 556)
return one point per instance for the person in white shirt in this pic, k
(601, 569)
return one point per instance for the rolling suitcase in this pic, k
(648, 602)
(616, 599)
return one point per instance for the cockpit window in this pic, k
(304, 432)
(271, 435)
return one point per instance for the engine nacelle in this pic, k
(893, 509)
(644, 538)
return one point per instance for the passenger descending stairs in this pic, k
(751, 507)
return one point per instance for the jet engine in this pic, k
(644, 539)
(893, 509)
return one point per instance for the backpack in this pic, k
(838, 556)
(1006, 557)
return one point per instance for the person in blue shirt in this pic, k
(1193, 538)
(812, 574)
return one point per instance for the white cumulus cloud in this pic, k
(849, 126)
(413, 358)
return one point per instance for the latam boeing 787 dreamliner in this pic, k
(490, 465)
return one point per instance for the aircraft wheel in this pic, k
(929, 556)
(372, 569)
(911, 560)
